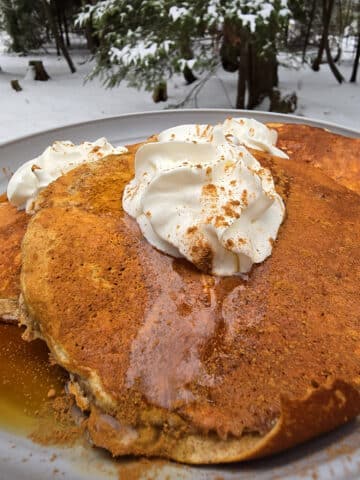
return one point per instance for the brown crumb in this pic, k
(202, 256)
(56, 424)
(191, 230)
(147, 469)
(220, 221)
(244, 198)
(209, 189)
(51, 393)
(229, 210)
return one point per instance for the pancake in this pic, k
(12, 228)
(335, 155)
(175, 363)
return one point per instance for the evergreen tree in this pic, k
(23, 20)
(147, 41)
(29, 23)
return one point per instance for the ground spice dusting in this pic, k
(209, 189)
(57, 424)
(244, 198)
(229, 243)
(149, 469)
(192, 229)
(229, 210)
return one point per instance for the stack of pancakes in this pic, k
(171, 362)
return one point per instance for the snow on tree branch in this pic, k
(150, 40)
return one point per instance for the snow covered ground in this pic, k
(67, 99)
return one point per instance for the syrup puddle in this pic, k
(26, 380)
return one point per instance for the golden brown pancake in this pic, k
(12, 228)
(176, 363)
(336, 155)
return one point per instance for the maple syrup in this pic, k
(26, 379)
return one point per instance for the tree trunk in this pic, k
(58, 52)
(356, 61)
(308, 30)
(58, 12)
(328, 8)
(262, 77)
(326, 16)
(242, 75)
(89, 35)
(92, 41)
(257, 75)
(252, 79)
(66, 28)
(316, 63)
(230, 47)
(160, 92)
(58, 38)
(338, 54)
(39, 70)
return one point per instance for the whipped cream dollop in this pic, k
(198, 193)
(58, 159)
(241, 131)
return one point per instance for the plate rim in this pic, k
(285, 117)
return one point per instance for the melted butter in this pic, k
(26, 377)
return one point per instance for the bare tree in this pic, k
(328, 6)
(308, 29)
(356, 61)
(49, 10)
(327, 11)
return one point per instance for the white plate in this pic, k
(335, 456)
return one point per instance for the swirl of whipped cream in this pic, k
(241, 131)
(58, 159)
(209, 201)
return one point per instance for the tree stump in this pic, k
(189, 75)
(160, 92)
(285, 104)
(15, 85)
(39, 71)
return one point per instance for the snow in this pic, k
(65, 98)
(248, 19)
(140, 52)
(321, 97)
(96, 11)
(177, 12)
(266, 10)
